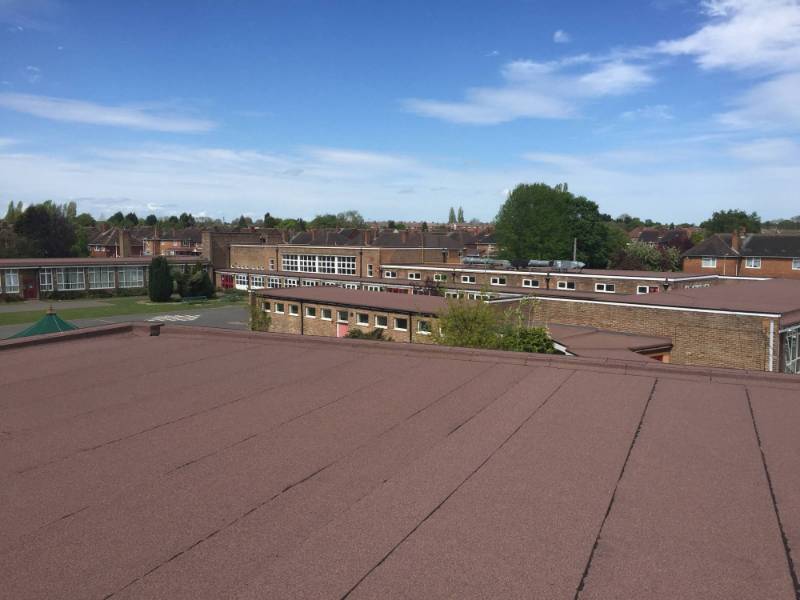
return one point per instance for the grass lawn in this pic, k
(114, 306)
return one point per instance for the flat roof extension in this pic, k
(327, 294)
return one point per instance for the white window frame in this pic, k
(46, 280)
(13, 276)
(322, 314)
(439, 277)
(294, 310)
(421, 327)
(390, 274)
(273, 282)
(131, 277)
(290, 282)
(240, 281)
(499, 280)
(271, 264)
(642, 289)
(396, 328)
(257, 282)
(65, 281)
(385, 325)
(752, 262)
(311, 312)
(101, 278)
(565, 285)
(350, 286)
(362, 322)
(289, 262)
(605, 288)
(530, 283)
(370, 272)
(468, 279)
(708, 262)
(796, 264)
(374, 288)
(280, 308)
(339, 318)
(266, 306)
(415, 275)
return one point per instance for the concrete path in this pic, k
(228, 317)
(43, 305)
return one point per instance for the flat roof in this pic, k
(210, 465)
(23, 263)
(621, 273)
(328, 294)
(601, 343)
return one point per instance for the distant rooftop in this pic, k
(251, 466)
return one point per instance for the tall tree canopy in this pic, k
(45, 230)
(270, 221)
(728, 221)
(540, 222)
(452, 216)
(460, 216)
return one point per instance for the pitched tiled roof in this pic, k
(777, 246)
(718, 244)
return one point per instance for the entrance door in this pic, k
(30, 289)
(341, 330)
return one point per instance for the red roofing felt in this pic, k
(211, 465)
(416, 303)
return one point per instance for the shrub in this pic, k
(160, 284)
(360, 334)
(259, 320)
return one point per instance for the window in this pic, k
(374, 288)
(326, 264)
(289, 262)
(241, 281)
(350, 286)
(274, 282)
(796, 264)
(439, 277)
(709, 262)
(531, 283)
(401, 324)
(381, 321)
(309, 283)
(498, 280)
(271, 264)
(265, 306)
(369, 270)
(346, 265)
(566, 285)
(308, 263)
(12, 281)
(257, 281)
(362, 319)
(341, 316)
(327, 314)
(290, 282)
(279, 307)
(752, 262)
(101, 278)
(294, 310)
(390, 274)
(468, 279)
(642, 289)
(46, 280)
(311, 312)
(608, 288)
(414, 275)
(70, 278)
(424, 327)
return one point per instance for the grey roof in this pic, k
(718, 244)
(754, 244)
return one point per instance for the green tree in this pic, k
(187, 220)
(424, 226)
(117, 219)
(270, 221)
(160, 284)
(728, 221)
(460, 217)
(151, 220)
(81, 245)
(131, 219)
(328, 221)
(45, 231)
(644, 257)
(13, 212)
(350, 219)
(85, 220)
(541, 222)
(452, 217)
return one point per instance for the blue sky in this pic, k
(667, 109)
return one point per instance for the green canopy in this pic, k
(50, 323)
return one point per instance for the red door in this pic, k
(341, 330)
(30, 289)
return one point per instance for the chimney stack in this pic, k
(403, 236)
(124, 243)
(736, 241)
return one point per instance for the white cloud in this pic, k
(492, 53)
(5, 142)
(561, 37)
(653, 112)
(744, 34)
(78, 111)
(768, 150)
(774, 104)
(33, 74)
(30, 14)
(532, 89)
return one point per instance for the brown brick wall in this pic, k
(707, 339)
(725, 266)
(286, 323)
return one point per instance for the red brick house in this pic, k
(751, 255)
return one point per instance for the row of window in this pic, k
(319, 263)
(750, 262)
(10, 283)
(100, 278)
(362, 319)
